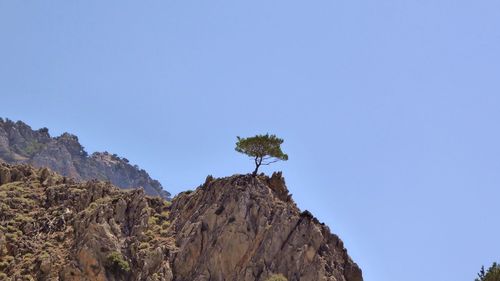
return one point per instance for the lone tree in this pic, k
(264, 149)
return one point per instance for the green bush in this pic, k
(277, 277)
(152, 221)
(117, 263)
(165, 225)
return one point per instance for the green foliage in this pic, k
(165, 225)
(117, 263)
(11, 236)
(264, 149)
(277, 277)
(164, 215)
(20, 218)
(152, 221)
(492, 274)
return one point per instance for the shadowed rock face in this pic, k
(240, 228)
(65, 155)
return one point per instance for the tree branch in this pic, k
(267, 163)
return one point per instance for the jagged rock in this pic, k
(246, 228)
(65, 155)
(239, 228)
(66, 231)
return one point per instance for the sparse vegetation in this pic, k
(33, 147)
(152, 221)
(165, 225)
(164, 233)
(31, 209)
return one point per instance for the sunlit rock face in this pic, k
(239, 228)
(247, 228)
(54, 228)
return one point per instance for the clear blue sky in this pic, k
(390, 110)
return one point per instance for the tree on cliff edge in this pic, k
(263, 149)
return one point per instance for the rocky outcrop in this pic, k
(53, 228)
(64, 154)
(239, 228)
(247, 228)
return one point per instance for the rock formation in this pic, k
(65, 155)
(53, 228)
(238, 228)
(246, 228)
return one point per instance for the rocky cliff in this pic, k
(247, 228)
(239, 228)
(64, 154)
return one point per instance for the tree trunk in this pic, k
(258, 161)
(256, 170)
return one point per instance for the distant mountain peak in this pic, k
(19, 143)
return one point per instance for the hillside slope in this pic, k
(65, 155)
(240, 228)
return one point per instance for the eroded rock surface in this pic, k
(53, 228)
(246, 228)
(239, 228)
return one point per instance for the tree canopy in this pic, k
(492, 274)
(264, 149)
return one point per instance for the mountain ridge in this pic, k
(19, 143)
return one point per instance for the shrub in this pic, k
(277, 277)
(164, 215)
(164, 233)
(117, 263)
(152, 221)
(11, 236)
(165, 225)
